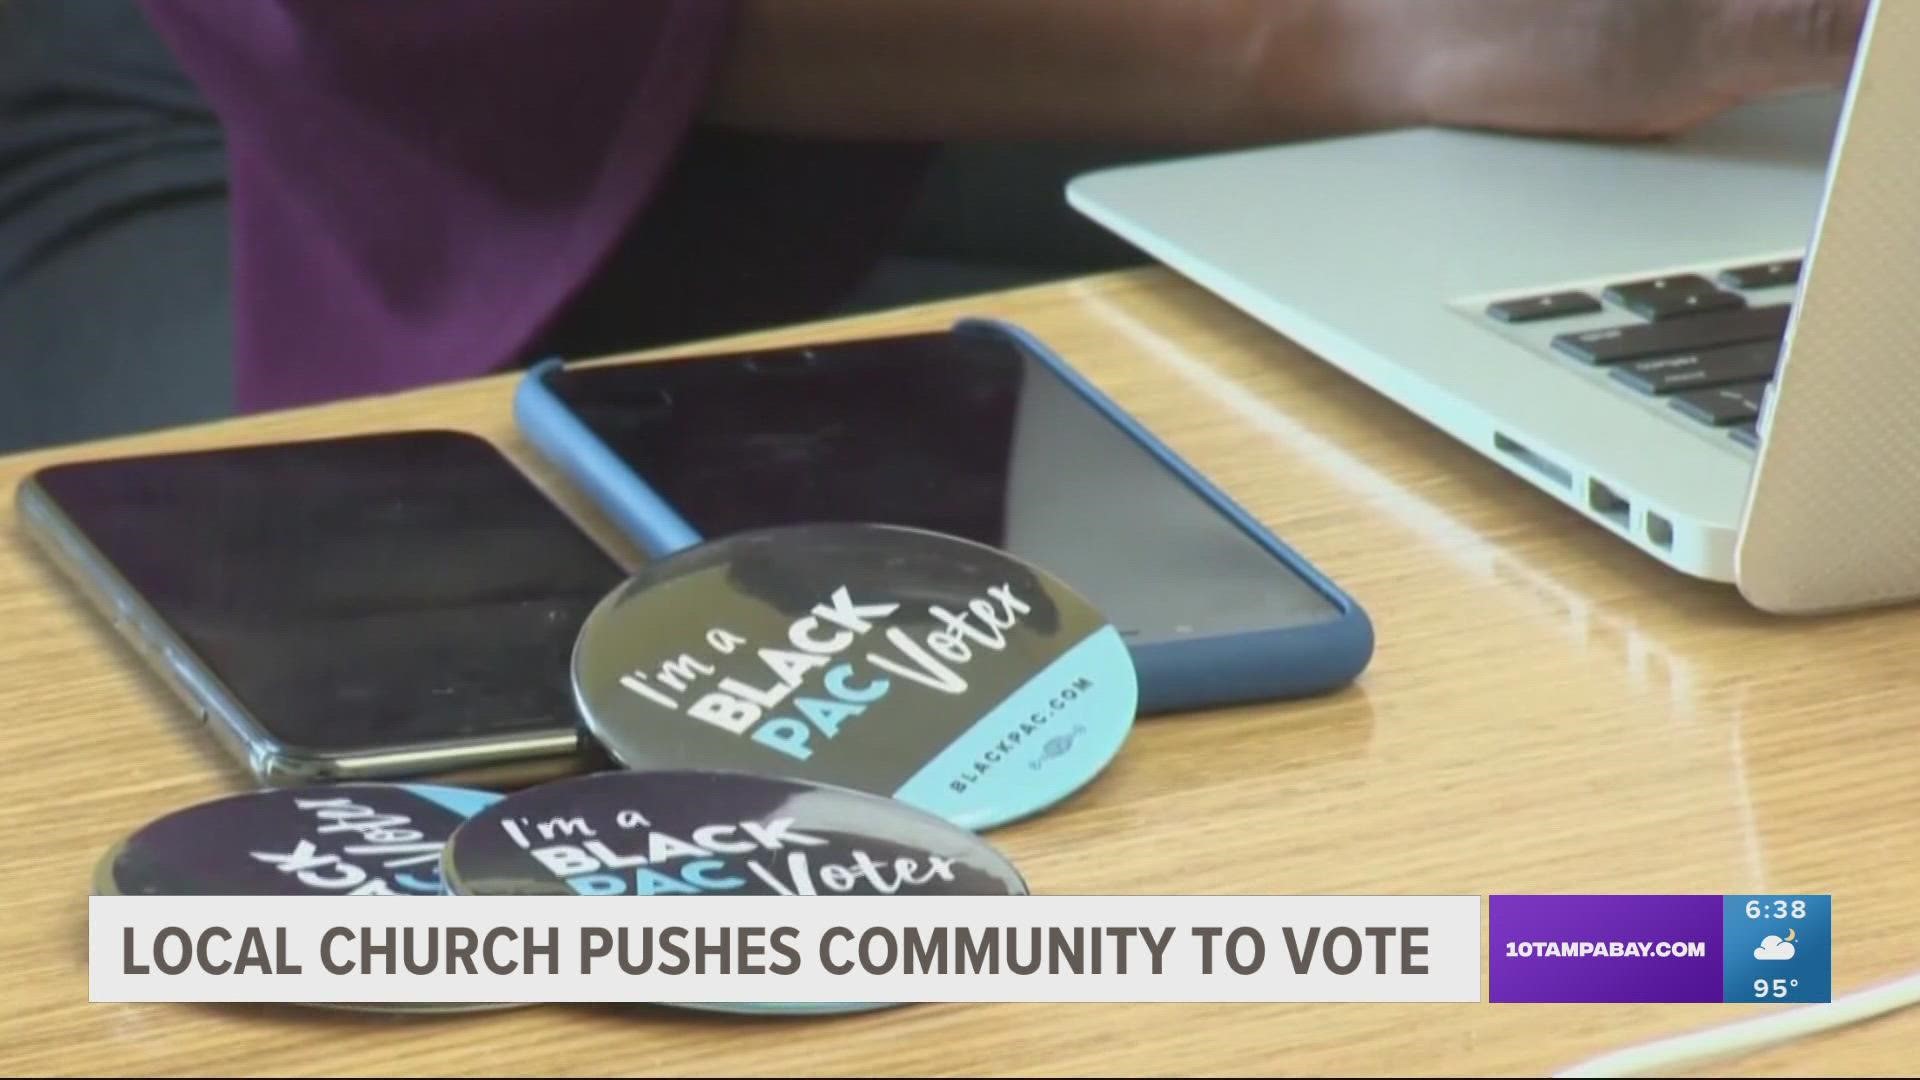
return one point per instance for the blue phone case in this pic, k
(1176, 674)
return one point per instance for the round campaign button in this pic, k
(943, 673)
(694, 833)
(358, 839)
(337, 840)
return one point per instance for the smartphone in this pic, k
(980, 432)
(379, 606)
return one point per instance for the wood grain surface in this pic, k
(1548, 710)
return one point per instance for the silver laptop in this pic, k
(1709, 346)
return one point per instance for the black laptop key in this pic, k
(1671, 337)
(1699, 370)
(1672, 297)
(1551, 306)
(1747, 434)
(1660, 288)
(1761, 275)
(1723, 405)
(1674, 305)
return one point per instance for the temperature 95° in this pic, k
(1773, 988)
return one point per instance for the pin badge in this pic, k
(941, 672)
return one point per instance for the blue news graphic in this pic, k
(1779, 948)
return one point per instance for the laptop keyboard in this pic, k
(1705, 346)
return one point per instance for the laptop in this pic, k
(1707, 346)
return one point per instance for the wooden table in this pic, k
(1548, 710)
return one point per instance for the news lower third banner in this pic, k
(1640, 948)
(787, 949)
(834, 949)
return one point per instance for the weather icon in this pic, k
(1775, 947)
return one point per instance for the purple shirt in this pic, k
(418, 189)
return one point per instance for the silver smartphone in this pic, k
(370, 607)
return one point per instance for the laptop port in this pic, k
(1539, 465)
(1607, 504)
(1660, 531)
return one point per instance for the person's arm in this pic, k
(1165, 71)
(1225, 71)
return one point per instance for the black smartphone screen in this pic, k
(359, 593)
(961, 433)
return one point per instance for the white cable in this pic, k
(1747, 1036)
